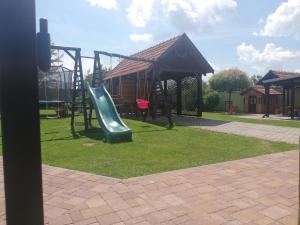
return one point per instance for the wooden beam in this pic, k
(20, 129)
(179, 97)
(137, 85)
(126, 57)
(166, 88)
(267, 102)
(199, 95)
(288, 97)
(292, 101)
(56, 47)
(283, 101)
(120, 86)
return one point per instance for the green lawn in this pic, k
(227, 117)
(154, 148)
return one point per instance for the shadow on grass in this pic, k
(93, 133)
(149, 121)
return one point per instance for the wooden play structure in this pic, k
(173, 59)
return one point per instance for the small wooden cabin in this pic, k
(254, 100)
(175, 58)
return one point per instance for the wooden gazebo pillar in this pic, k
(136, 94)
(283, 101)
(166, 88)
(137, 85)
(20, 114)
(120, 86)
(179, 96)
(292, 101)
(288, 96)
(199, 95)
(267, 103)
(112, 86)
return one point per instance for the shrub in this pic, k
(211, 100)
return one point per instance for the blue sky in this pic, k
(255, 35)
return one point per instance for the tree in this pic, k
(255, 79)
(89, 74)
(230, 80)
(211, 100)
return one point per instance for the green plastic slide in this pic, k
(115, 130)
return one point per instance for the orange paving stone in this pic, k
(262, 191)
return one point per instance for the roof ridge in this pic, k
(284, 71)
(160, 43)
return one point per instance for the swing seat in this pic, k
(142, 104)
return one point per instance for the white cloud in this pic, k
(106, 4)
(185, 15)
(271, 57)
(285, 21)
(140, 12)
(141, 37)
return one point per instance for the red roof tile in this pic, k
(129, 66)
(281, 74)
(261, 90)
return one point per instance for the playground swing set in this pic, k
(114, 128)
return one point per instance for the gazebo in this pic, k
(175, 59)
(290, 83)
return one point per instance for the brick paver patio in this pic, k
(260, 190)
(265, 132)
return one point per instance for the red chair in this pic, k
(143, 106)
(232, 110)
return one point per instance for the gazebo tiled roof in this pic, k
(281, 74)
(168, 55)
(129, 66)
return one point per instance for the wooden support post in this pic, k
(111, 86)
(20, 129)
(120, 86)
(199, 96)
(288, 97)
(283, 101)
(267, 102)
(179, 97)
(292, 101)
(137, 86)
(137, 89)
(166, 88)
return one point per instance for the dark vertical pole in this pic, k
(20, 113)
(288, 97)
(166, 88)
(179, 97)
(137, 88)
(153, 93)
(199, 95)
(120, 86)
(267, 96)
(112, 86)
(292, 101)
(83, 89)
(283, 101)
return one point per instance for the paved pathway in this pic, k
(265, 132)
(258, 191)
